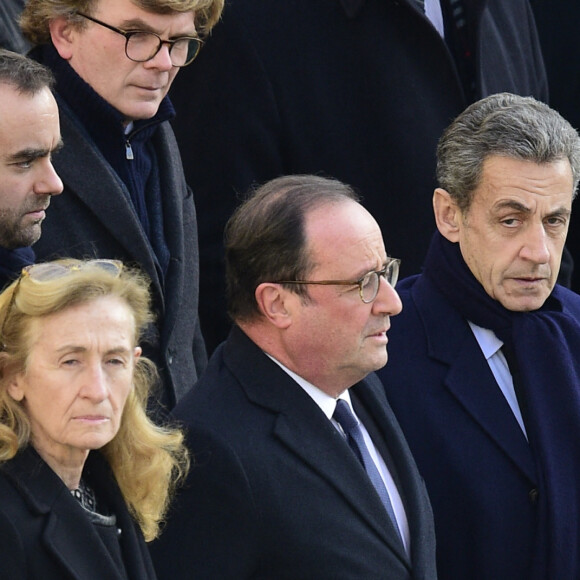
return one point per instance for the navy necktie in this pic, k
(344, 417)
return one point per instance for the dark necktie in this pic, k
(344, 417)
(421, 4)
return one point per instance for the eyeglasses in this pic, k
(47, 271)
(368, 285)
(141, 45)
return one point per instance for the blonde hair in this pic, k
(147, 460)
(37, 14)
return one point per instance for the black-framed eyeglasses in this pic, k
(46, 271)
(142, 45)
(368, 285)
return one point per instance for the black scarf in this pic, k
(546, 344)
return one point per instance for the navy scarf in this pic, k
(104, 124)
(546, 343)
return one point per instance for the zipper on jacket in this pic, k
(128, 150)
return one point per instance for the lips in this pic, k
(92, 418)
(37, 214)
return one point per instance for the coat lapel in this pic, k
(371, 395)
(469, 378)
(68, 535)
(304, 430)
(106, 197)
(175, 223)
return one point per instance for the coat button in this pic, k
(533, 495)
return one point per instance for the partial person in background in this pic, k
(558, 25)
(11, 36)
(360, 90)
(85, 476)
(300, 469)
(29, 136)
(484, 361)
(125, 192)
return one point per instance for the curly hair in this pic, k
(147, 460)
(37, 14)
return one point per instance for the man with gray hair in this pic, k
(484, 366)
(29, 135)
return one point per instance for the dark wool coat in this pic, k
(477, 464)
(45, 534)
(274, 490)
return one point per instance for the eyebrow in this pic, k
(512, 204)
(76, 349)
(138, 25)
(365, 272)
(32, 153)
(518, 206)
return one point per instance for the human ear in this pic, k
(62, 33)
(15, 389)
(272, 300)
(448, 216)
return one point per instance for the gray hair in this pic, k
(505, 125)
(24, 74)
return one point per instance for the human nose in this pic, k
(535, 247)
(49, 183)
(387, 300)
(162, 59)
(94, 384)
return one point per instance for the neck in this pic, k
(68, 466)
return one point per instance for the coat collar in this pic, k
(86, 172)
(469, 378)
(304, 430)
(68, 534)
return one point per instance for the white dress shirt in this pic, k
(434, 14)
(490, 346)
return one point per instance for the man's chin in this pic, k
(525, 303)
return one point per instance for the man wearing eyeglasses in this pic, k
(301, 470)
(484, 370)
(125, 193)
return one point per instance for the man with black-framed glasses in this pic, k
(125, 192)
(301, 470)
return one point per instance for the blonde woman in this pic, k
(85, 476)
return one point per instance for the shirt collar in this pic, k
(326, 403)
(487, 339)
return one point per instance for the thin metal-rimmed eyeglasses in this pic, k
(47, 271)
(368, 285)
(142, 45)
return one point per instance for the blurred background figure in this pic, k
(359, 90)
(11, 36)
(558, 25)
(85, 476)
